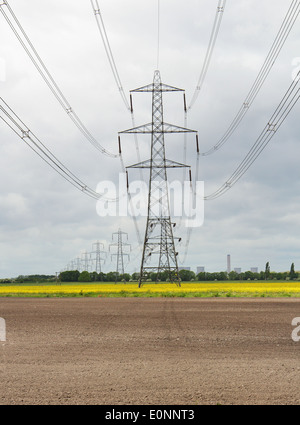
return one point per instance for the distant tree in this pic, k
(293, 274)
(222, 276)
(94, 276)
(267, 271)
(186, 275)
(164, 276)
(69, 276)
(84, 277)
(111, 277)
(35, 278)
(135, 276)
(256, 276)
(210, 277)
(22, 279)
(249, 275)
(125, 277)
(101, 277)
(233, 275)
(201, 277)
(214, 276)
(153, 277)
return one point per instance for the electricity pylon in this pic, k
(85, 260)
(159, 237)
(78, 264)
(120, 252)
(99, 252)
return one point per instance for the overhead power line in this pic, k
(210, 49)
(27, 45)
(115, 72)
(285, 29)
(128, 106)
(158, 33)
(212, 42)
(103, 33)
(21, 129)
(277, 46)
(281, 113)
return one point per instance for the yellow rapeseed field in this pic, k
(150, 289)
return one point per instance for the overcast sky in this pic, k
(45, 222)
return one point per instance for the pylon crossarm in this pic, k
(150, 88)
(157, 129)
(164, 164)
(171, 128)
(142, 129)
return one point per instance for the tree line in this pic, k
(34, 278)
(185, 276)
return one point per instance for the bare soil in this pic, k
(154, 351)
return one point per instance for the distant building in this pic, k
(200, 270)
(238, 270)
(254, 269)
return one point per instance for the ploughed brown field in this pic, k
(176, 351)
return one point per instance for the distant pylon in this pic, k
(120, 252)
(85, 261)
(98, 255)
(159, 239)
(78, 264)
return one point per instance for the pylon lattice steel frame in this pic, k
(159, 237)
(85, 261)
(120, 254)
(99, 250)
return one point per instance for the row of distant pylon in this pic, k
(94, 260)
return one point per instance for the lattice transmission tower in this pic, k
(85, 261)
(120, 254)
(159, 239)
(97, 255)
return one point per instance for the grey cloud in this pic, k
(45, 222)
